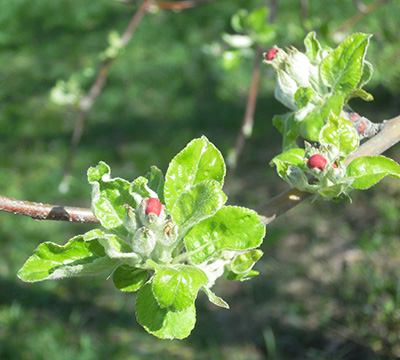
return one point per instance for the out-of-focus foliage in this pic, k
(168, 87)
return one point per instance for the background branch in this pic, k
(89, 99)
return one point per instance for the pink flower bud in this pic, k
(361, 128)
(271, 54)
(354, 117)
(153, 206)
(316, 162)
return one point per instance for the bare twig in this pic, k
(40, 211)
(89, 99)
(182, 5)
(386, 138)
(248, 120)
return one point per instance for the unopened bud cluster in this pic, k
(152, 233)
(294, 70)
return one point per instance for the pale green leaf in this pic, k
(177, 286)
(231, 228)
(340, 133)
(109, 197)
(127, 278)
(156, 182)
(200, 160)
(369, 170)
(342, 70)
(76, 258)
(162, 322)
(199, 202)
(216, 300)
(312, 45)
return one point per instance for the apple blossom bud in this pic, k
(271, 54)
(153, 206)
(317, 162)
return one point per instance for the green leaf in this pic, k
(156, 182)
(303, 96)
(200, 160)
(368, 70)
(140, 189)
(369, 170)
(162, 322)
(114, 247)
(76, 258)
(310, 126)
(109, 197)
(342, 70)
(128, 278)
(288, 127)
(117, 248)
(231, 228)
(244, 262)
(340, 133)
(361, 94)
(177, 287)
(312, 45)
(216, 300)
(230, 275)
(199, 202)
(292, 156)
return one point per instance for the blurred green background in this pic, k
(329, 285)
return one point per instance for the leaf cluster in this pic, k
(168, 257)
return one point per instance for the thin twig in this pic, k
(280, 204)
(248, 119)
(358, 16)
(40, 211)
(181, 5)
(89, 99)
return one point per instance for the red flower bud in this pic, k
(153, 206)
(271, 54)
(334, 165)
(361, 128)
(316, 161)
(354, 117)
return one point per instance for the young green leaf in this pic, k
(312, 45)
(162, 322)
(216, 300)
(76, 258)
(288, 127)
(311, 125)
(177, 287)
(342, 70)
(156, 182)
(292, 156)
(303, 96)
(199, 202)
(244, 262)
(368, 70)
(369, 170)
(231, 228)
(128, 278)
(109, 197)
(340, 133)
(140, 189)
(200, 160)
(361, 94)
